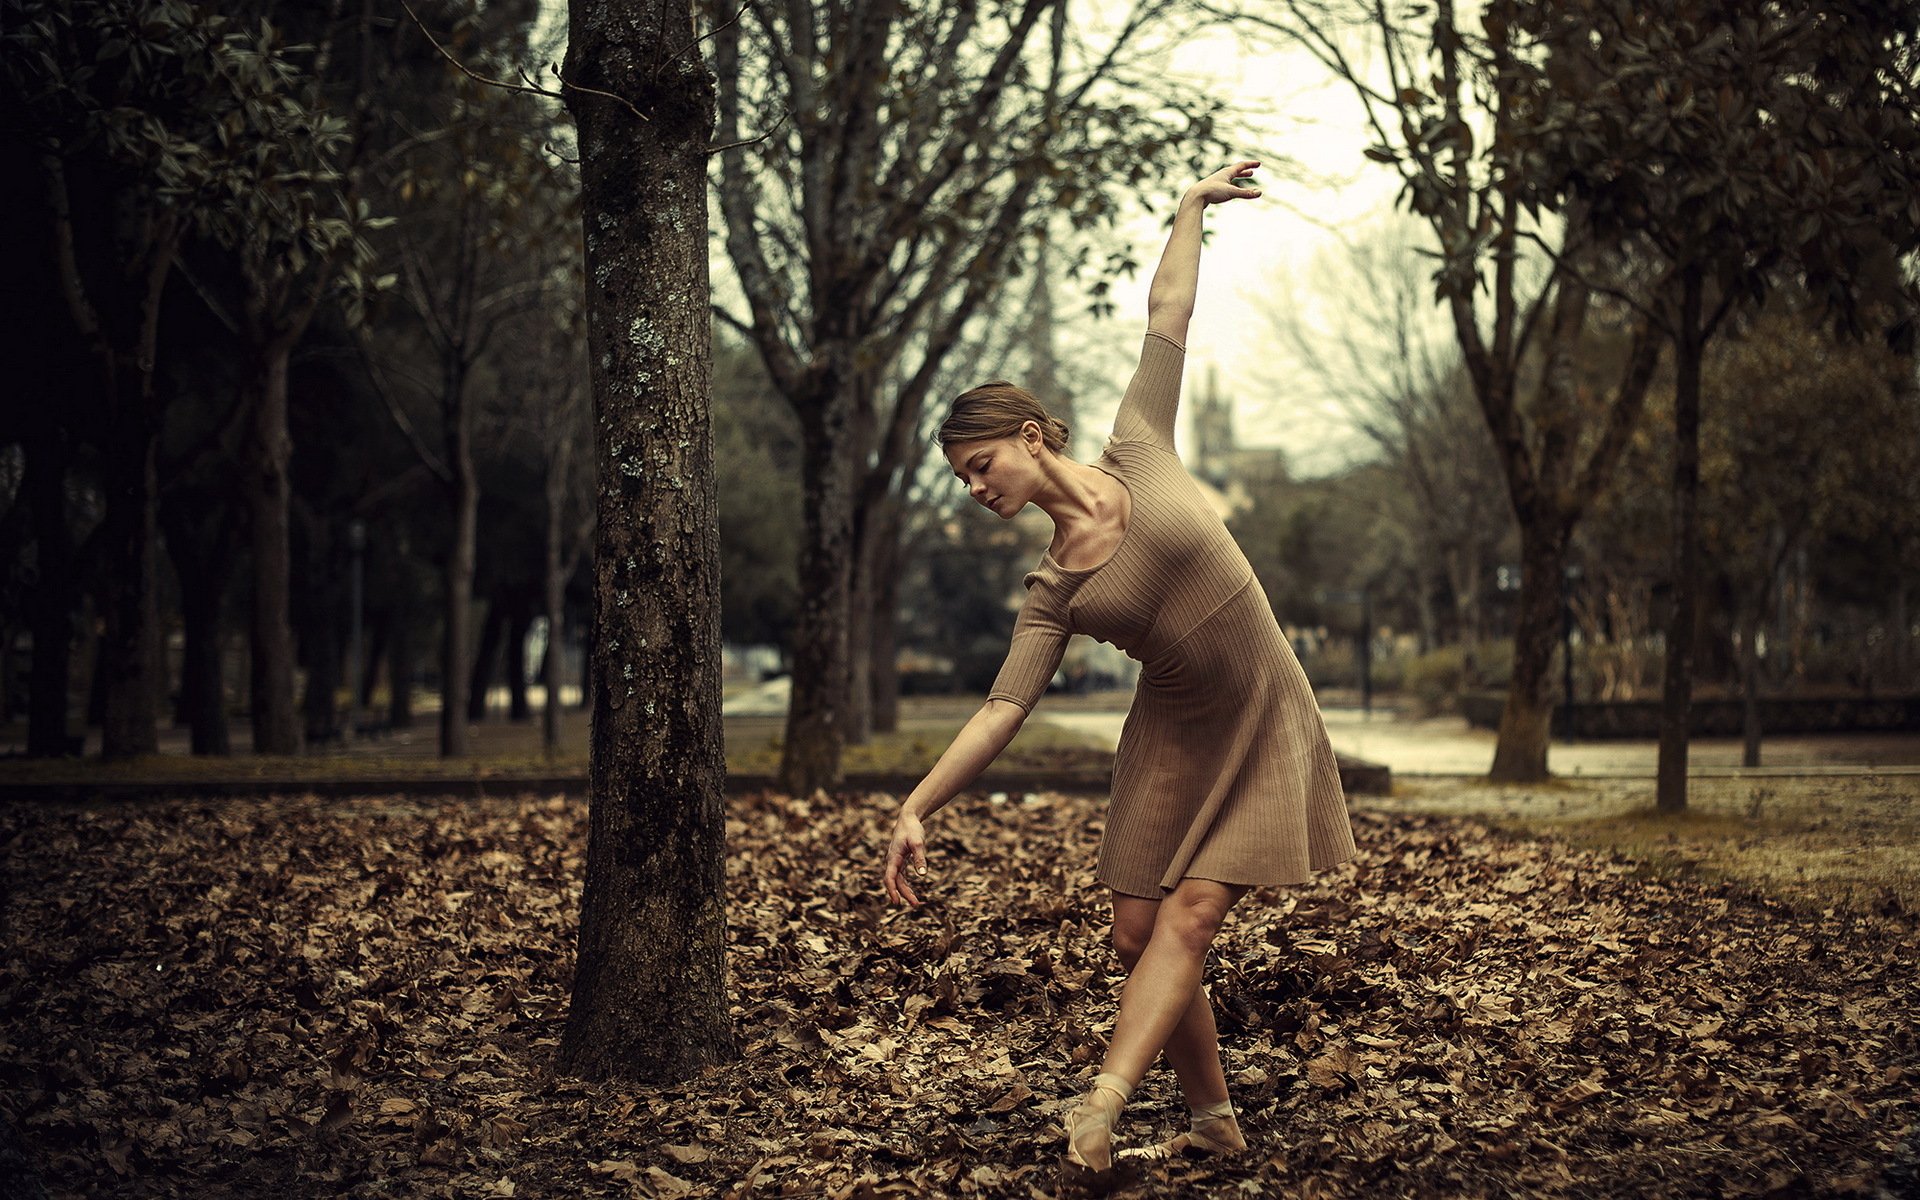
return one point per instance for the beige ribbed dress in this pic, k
(1224, 770)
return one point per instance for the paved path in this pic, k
(1448, 746)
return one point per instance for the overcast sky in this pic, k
(1280, 251)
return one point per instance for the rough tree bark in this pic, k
(649, 997)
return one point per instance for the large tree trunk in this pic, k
(267, 488)
(1526, 723)
(1670, 789)
(816, 717)
(649, 995)
(54, 598)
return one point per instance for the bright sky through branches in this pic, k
(1277, 253)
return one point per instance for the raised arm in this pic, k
(1177, 280)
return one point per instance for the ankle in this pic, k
(1106, 1081)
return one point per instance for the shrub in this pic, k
(1433, 680)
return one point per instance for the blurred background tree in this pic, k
(228, 356)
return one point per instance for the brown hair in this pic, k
(997, 409)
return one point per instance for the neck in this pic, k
(1075, 494)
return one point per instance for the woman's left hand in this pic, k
(907, 850)
(1228, 183)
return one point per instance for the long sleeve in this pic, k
(1039, 640)
(1153, 397)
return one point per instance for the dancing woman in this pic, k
(1224, 779)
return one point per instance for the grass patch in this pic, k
(918, 744)
(503, 751)
(1846, 841)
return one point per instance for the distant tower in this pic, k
(1043, 378)
(1213, 433)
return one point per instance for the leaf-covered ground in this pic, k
(302, 998)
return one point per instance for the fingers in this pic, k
(899, 891)
(1232, 182)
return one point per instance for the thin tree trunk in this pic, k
(97, 666)
(1902, 637)
(400, 660)
(883, 632)
(456, 647)
(513, 660)
(320, 645)
(553, 594)
(650, 989)
(198, 542)
(129, 722)
(203, 698)
(123, 339)
(1750, 687)
(486, 660)
(53, 600)
(860, 639)
(1670, 790)
(267, 489)
(370, 664)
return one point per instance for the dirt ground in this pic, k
(363, 998)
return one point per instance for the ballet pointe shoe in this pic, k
(1214, 1133)
(1088, 1166)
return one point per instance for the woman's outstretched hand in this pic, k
(908, 850)
(1228, 183)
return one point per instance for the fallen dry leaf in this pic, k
(364, 997)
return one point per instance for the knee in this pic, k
(1192, 922)
(1130, 940)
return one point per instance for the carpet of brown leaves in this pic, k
(303, 998)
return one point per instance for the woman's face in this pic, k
(1001, 474)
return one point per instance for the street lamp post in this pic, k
(1364, 598)
(1366, 655)
(357, 545)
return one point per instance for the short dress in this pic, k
(1224, 770)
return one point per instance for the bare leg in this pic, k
(1162, 1000)
(1165, 980)
(1193, 1050)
